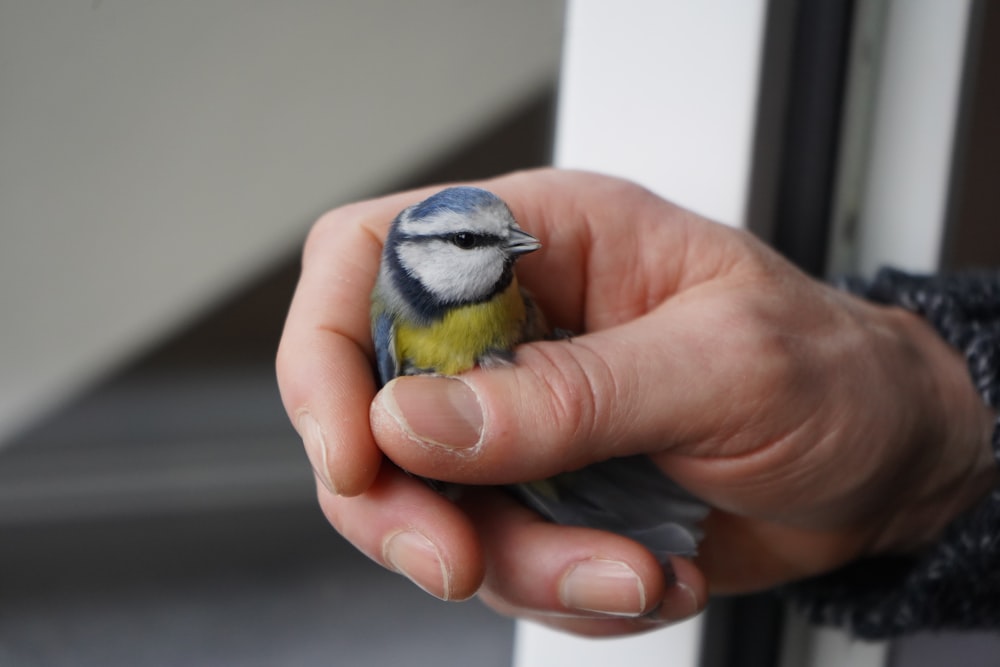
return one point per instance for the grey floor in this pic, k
(167, 517)
(268, 587)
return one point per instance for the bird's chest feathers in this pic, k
(460, 339)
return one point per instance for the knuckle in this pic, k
(574, 392)
(282, 363)
(757, 337)
(349, 227)
(320, 234)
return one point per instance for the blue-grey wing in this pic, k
(384, 337)
(630, 496)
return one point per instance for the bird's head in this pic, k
(456, 247)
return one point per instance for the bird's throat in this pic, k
(464, 335)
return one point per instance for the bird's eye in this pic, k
(463, 240)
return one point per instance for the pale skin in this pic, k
(821, 428)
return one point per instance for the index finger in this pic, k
(324, 359)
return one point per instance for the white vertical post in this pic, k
(665, 94)
(901, 220)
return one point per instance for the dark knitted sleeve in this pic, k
(956, 582)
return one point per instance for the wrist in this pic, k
(950, 461)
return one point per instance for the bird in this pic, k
(447, 299)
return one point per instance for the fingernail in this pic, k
(411, 554)
(438, 411)
(604, 586)
(314, 443)
(679, 603)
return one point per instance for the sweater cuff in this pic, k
(954, 583)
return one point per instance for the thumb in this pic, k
(564, 405)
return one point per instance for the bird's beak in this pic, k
(521, 242)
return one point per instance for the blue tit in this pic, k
(447, 299)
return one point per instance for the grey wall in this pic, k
(153, 155)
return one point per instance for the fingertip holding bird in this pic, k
(679, 603)
(684, 597)
(412, 554)
(314, 442)
(339, 464)
(432, 410)
(613, 588)
(604, 586)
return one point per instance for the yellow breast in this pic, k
(456, 342)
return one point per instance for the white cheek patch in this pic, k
(450, 273)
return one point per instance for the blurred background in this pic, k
(161, 163)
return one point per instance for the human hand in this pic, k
(820, 427)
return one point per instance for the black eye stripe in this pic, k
(469, 240)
